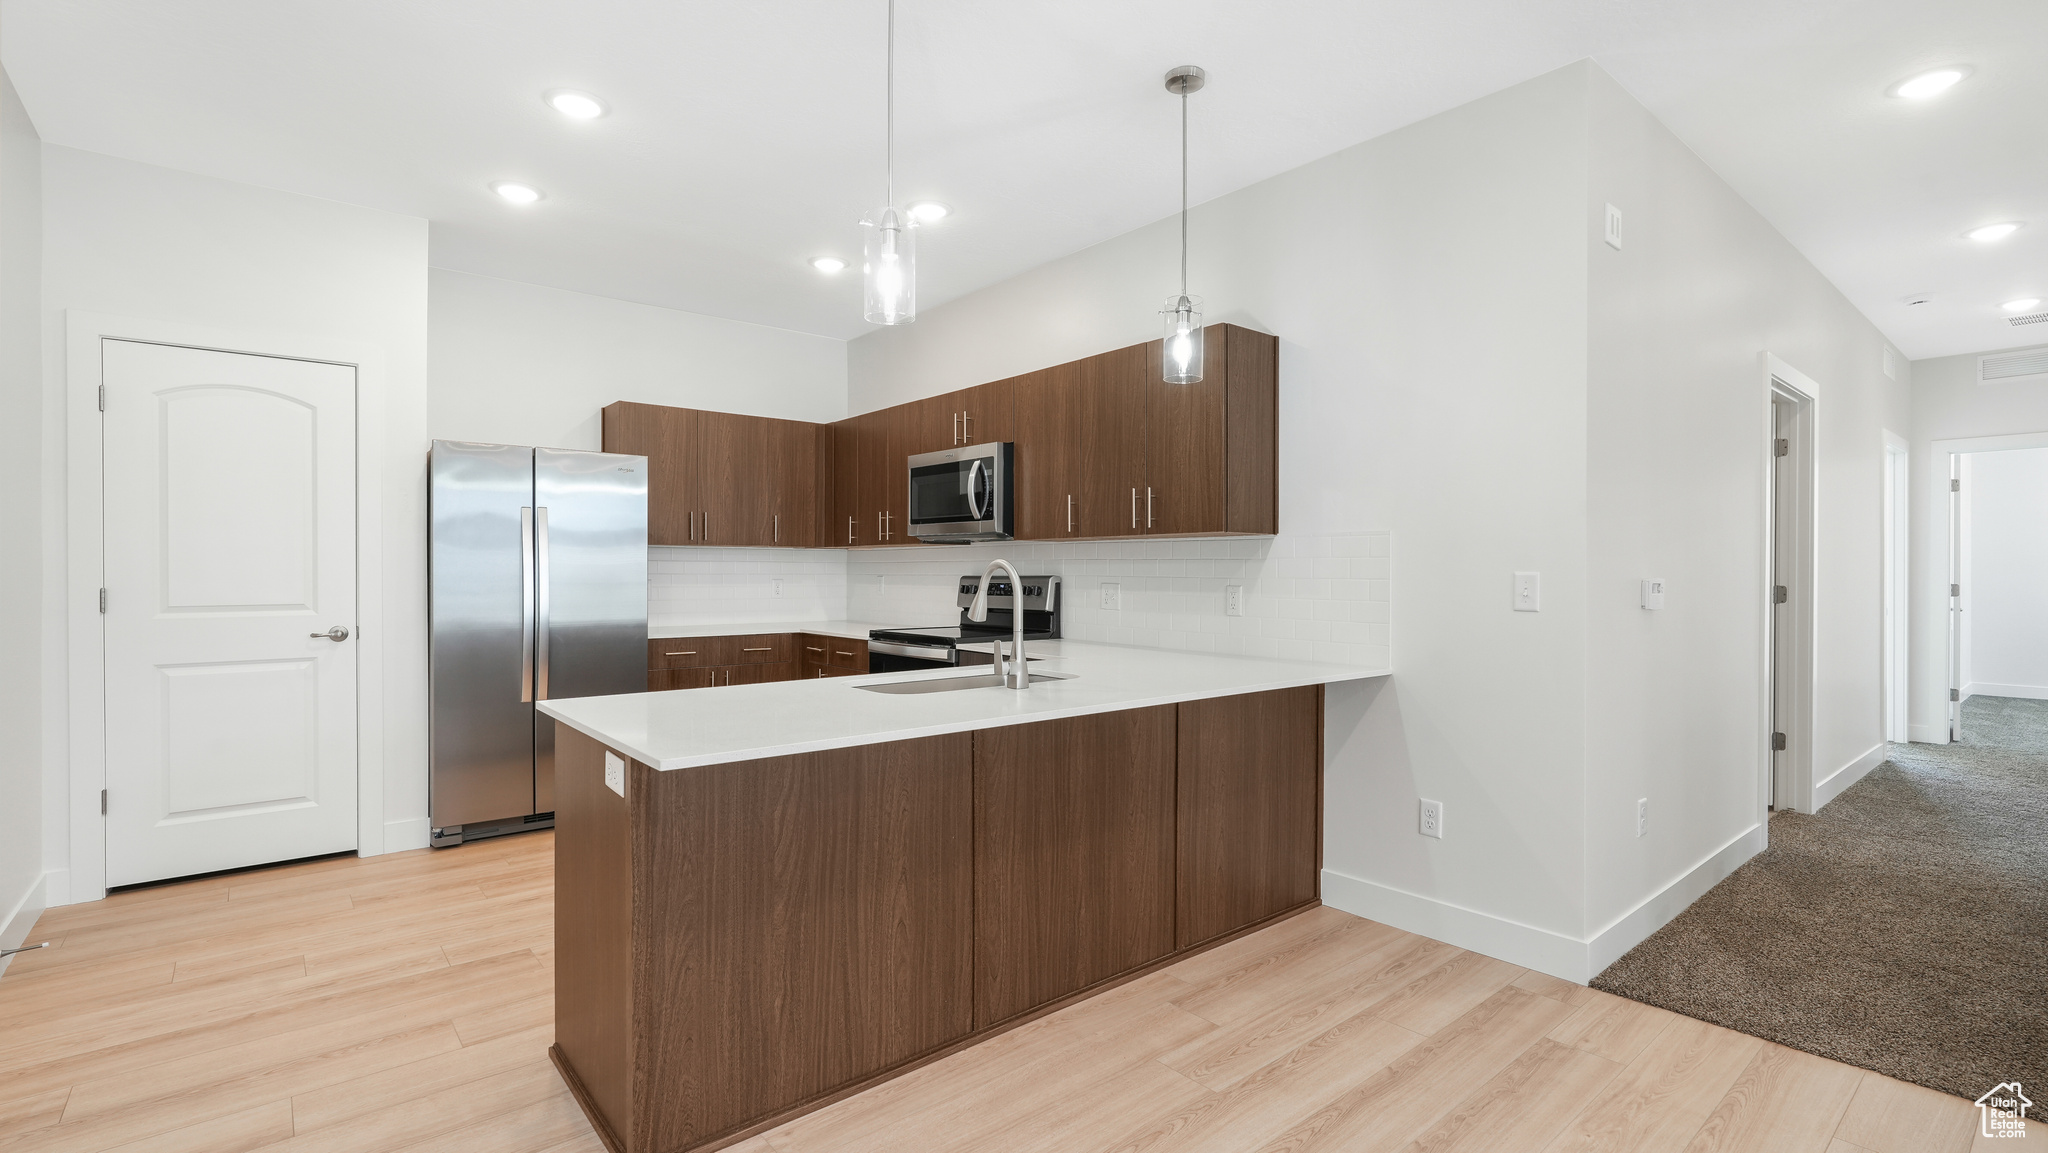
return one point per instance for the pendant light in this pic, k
(1180, 362)
(889, 274)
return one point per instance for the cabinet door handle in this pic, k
(966, 429)
(1148, 506)
(849, 528)
(844, 653)
(956, 428)
(691, 653)
(776, 533)
(1134, 508)
(693, 526)
(1070, 512)
(813, 649)
(707, 525)
(764, 649)
(879, 534)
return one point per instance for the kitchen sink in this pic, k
(953, 684)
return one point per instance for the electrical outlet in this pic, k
(1642, 816)
(614, 772)
(1528, 592)
(776, 584)
(1233, 600)
(1432, 819)
(1112, 597)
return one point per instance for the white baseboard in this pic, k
(1927, 734)
(21, 919)
(1545, 951)
(1633, 927)
(411, 833)
(1849, 774)
(1511, 941)
(2024, 692)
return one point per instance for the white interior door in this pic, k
(229, 553)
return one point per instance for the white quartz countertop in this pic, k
(691, 727)
(852, 630)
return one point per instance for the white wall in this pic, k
(518, 363)
(21, 522)
(1678, 318)
(1948, 405)
(138, 241)
(2007, 586)
(1428, 289)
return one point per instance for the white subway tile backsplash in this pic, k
(716, 585)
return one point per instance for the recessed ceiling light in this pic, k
(1916, 298)
(926, 211)
(575, 105)
(1929, 83)
(1993, 231)
(516, 192)
(828, 264)
(2022, 304)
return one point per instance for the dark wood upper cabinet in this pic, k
(1104, 449)
(1074, 848)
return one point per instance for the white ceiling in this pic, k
(746, 138)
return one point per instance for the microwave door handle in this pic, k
(974, 471)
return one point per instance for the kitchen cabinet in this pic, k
(831, 656)
(1081, 447)
(1074, 846)
(978, 415)
(712, 662)
(718, 478)
(1211, 449)
(1249, 807)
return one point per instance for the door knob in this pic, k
(337, 634)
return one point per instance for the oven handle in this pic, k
(975, 470)
(940, 654)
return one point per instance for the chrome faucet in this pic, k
(1016, 674)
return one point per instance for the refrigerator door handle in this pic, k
(525, 605)
(540, 609)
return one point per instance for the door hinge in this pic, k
(1955, 590)
(103, 802)
(103, 600)
(1777, 742)
(1781, 447)
(1778, 594)
(1955, 485)
(1955, 694)
(103, 398)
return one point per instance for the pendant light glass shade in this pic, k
(890, 271)
(1180, 361)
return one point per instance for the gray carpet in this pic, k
(1903, 928)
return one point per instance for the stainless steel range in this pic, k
(938, 646)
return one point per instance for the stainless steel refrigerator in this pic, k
(537, 590)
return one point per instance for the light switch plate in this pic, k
(1613, 236)
(1653, 592)
(1528, 592)
(1112, 597)
(614, 772)
(1642, 816)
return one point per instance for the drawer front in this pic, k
(765, 649)
(846, 654)
(685, 652)
(813, 672)
(813, 649)
(758, 674)
(665, 680)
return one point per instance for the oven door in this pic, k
(897, 657)
(961, 494)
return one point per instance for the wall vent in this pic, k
(1891, 364)
(2031, 318)
(2031, 364)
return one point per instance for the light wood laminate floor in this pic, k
(405, 1002)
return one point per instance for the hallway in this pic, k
(1904, 928)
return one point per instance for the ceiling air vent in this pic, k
(2031, 318)
(2031, 364)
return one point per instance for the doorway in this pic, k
(1788, 595)
(1998, 571)
(1897, 598)
(229, 544)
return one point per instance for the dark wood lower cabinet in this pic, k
(739, 944)
(1250, 800)
(1073, 848)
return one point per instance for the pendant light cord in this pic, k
(1183, 190)
(892, 109)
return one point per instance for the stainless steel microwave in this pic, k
(963, 494)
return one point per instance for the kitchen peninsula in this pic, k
(775, 895)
